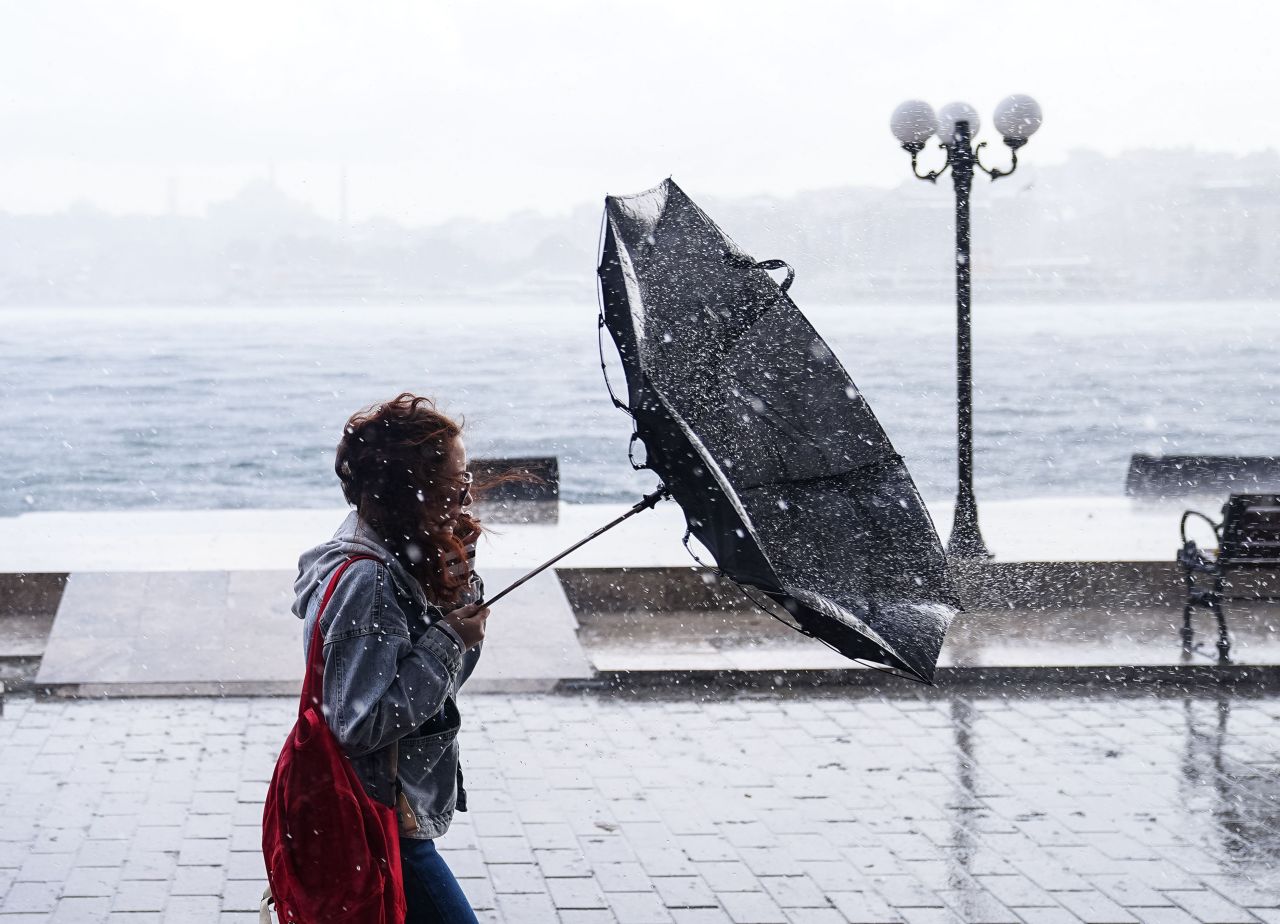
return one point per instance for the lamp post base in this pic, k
(966, 538)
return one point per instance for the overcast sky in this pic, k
(444, 109)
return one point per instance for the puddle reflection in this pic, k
(1209, 761)
(1230, 791)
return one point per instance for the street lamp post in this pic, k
(913, 123)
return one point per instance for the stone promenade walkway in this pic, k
(787, 808)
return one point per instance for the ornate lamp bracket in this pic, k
(994, 172)
(914, 148)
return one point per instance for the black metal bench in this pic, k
(1248, 538)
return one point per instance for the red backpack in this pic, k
(332, 852)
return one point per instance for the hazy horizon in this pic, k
(461, 111)
(271, 175)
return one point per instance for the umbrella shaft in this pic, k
(648, 502)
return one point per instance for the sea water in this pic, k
(187, 407)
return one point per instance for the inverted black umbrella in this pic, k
(781, 468)
(757, 431)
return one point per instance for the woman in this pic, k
(402, 632)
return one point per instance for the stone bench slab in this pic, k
(211, 632)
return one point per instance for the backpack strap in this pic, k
(313, 680)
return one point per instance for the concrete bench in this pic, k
(1155, 477)
(536, 500)
(210, 633)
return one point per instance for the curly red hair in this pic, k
(391, 462)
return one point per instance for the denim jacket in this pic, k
(392, 671)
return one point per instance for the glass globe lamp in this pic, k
(1017, 118)
(913, 123)
(952, 114)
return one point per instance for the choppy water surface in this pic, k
(237, 407)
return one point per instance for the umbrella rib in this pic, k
(781, 422)
(851, 470)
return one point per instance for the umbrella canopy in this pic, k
(759, 434)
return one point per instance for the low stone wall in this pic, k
(31, 594)
(1058, 585)
(995, 585)
(614, 590)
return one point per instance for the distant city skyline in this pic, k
(1154, 225)
(465, 110)
(332, 193)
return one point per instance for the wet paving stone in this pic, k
(884, 808)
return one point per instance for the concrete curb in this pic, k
(1112, 679)
(235, 688)
(1177, 677)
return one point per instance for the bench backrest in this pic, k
(1251, 527)
(1191, 476)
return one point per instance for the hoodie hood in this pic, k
(353, 537)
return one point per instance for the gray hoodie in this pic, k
(392, 671)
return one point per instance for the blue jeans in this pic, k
(431, 892)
